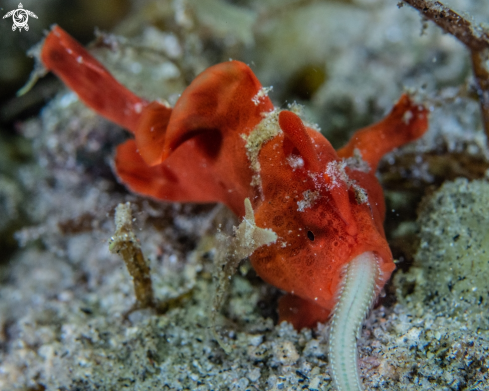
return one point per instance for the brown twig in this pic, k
(475, 38)
(481, 73)
(125, 243)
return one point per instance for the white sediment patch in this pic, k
(298, 109)
(337, 174)
(267, 129)
(261, 94)
(309, 198)
(355, 299)
(295, 161)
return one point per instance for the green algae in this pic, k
(451, 268)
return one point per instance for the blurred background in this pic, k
(78, 17)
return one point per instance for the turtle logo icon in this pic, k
(20, 16)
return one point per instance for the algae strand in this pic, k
(125, 243)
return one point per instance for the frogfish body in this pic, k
(224, 141)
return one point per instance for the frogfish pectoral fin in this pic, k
(406, 122)
(300, 312)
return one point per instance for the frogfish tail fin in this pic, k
(91, 81)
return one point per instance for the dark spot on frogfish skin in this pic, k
(310, 235)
